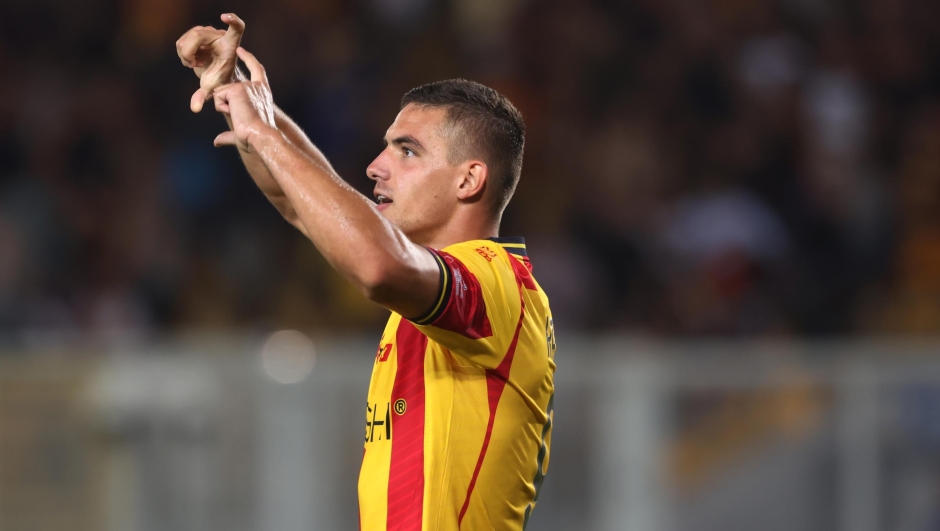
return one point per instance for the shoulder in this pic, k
(480, 257)
(490, 262)
(476, 250)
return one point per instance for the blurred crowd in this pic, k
(693, 167)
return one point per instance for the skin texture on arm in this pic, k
(344, 225)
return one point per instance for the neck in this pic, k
(461, 230)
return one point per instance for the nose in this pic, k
(378, 170)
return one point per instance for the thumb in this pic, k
(199, 99)
(236, 27)
(225, 139)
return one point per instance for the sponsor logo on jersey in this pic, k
(486, 252)
(378, 423)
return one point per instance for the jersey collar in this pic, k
(513, 245)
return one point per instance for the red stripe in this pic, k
(495, 383)
(406, 473)
(465, 312)
(527, 262)
(523, 271)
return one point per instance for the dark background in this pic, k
(724, 167)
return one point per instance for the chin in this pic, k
(413, 231)
(416, 229)
(384, 210)
(389, 216)
(400, 224)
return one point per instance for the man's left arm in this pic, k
(343, 224)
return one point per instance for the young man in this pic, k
(459, 414)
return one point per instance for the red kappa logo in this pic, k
(384, 351)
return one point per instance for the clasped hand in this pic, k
(247, 104)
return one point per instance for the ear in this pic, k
(472, 181)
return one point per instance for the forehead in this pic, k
(423, 123)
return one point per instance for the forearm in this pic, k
(262, 176)
(346, 227)
(259, 172)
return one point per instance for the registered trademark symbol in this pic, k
(401, 406)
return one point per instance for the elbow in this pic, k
(376, 282)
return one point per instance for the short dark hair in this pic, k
(486, 125)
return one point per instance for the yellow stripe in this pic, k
(443, 287)
(514, 245)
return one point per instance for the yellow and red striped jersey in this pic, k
(459, 414)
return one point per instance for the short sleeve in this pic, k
(479, 306)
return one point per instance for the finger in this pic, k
(221, 104)
(195, 38)
(254, 67)
(222, 93)
(179, 44)
(224, 139)
(236, 27)
(182, 42)
(199, 99)
(222, 90)
(204, 53)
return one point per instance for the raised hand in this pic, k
(249, 105)
(211, 53)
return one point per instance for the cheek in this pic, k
(419, 184)
(422, 189)
(434, 191)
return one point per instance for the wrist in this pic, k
(264, 137)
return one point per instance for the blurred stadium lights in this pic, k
(288, 357)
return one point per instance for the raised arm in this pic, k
(211, 53)
(262, 176)
(343, 224)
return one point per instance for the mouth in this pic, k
(382, 201)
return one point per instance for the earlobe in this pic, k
(473, 180)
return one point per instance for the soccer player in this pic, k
(459, 412)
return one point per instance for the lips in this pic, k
(382, 200)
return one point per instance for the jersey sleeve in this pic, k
(479, 306)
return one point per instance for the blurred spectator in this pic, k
(756, 167)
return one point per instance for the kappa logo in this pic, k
(384, 351)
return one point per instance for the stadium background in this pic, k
(711, 188)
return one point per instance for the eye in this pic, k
(408, 152)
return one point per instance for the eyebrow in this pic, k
(407, 139)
